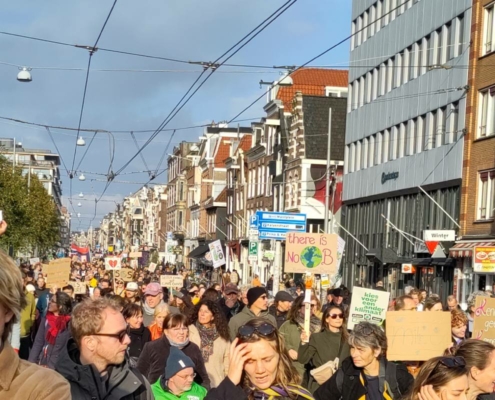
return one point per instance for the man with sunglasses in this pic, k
(257, 308)
(94, 361)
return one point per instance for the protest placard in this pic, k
(484, 322)
(367, 305)
(34, 260)
(417, 336)
(79, 287)
(216, 251)
(112, 263)
(57, 271)
(311, 252)
(135, 254)
(133, 263)
(126, 274)
(152, 267)
(175, 281)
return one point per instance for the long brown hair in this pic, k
(434, 372)
(476, 353)
(343, 328)
(286, 373)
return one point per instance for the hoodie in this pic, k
(122, 383)
(247, 315)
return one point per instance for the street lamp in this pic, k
(82, 177)
(79, 204)
(81, 195)
(24, 75)
(80, 141)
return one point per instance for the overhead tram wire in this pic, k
(214, 66)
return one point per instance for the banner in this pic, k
(367, 305)
(34, 260)
(126, 274)
(112, 263)
(152, 267)
(417, 336)
(79, 287)
(311, 252)
(484, 259)
(175, 281)
(484, 325)
(216, 251)
(58, 272)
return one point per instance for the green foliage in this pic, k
(154, 258)
(30, 212)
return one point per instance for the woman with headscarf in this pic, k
(53, 332)
(209, 330)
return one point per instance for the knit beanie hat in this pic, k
(254, 294)
(176, 362)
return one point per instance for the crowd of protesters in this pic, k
(211, 339)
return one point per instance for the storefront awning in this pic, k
(199, 251)
(464, 249)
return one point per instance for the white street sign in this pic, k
(439, 236)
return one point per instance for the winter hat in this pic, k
(176, 362)
(254, 294)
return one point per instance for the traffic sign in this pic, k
(275, 225)
(253, 251)
(441, 236)
(431, 245)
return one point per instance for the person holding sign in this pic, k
(367, 374)
(443, 378)
(327, 345)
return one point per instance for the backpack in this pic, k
(390, 378)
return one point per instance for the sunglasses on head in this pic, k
(335, 316)
(453, 362)
(247, 331)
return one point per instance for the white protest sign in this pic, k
(216, 251)
(112, 263)
(367, 305)
(171, 281)
(152, 267)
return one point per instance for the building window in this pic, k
(486, 112)
(371, 149)
(488, 31)
(486, 194)
(359, 150)
(386, 145)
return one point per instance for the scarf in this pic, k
(56, 324)
(178, 345)
(291, 391)
(148, 310)
(314, 323)
(207, 336)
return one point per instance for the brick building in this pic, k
(478, 172)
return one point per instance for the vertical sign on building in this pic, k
(253, 250)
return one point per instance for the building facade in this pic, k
(405, 131)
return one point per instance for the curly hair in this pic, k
(458, 318)
(286, 372)
(218, 317)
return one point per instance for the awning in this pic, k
(199, 251)
(465, 248)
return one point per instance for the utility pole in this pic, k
(328, 175)
(13, 159)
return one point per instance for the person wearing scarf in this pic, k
(292, 328)
(210, 332)
(260, 367)
(53, 331)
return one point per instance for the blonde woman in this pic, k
(156, 328)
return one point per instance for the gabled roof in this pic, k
(245, 143)
(222, 197)
(311, 81)
(223, 152)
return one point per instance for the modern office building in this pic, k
(405, 132)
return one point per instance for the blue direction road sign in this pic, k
(274, 225)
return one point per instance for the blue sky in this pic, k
(119, 100)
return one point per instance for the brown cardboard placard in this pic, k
(417, 336)
(171, 281)
(484, 322)
(311, 252)
(57, 271)
(135, 254)
(126, 274)
(79, 287)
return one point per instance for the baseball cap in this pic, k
(132, 286)
(283, 296)
(231, 288)
(30, 288)
(153, 289)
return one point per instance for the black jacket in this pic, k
(153, 360)
(124, 382)
(280, 317)
(139, 337)
(230, 312)
(228, 391)
(350, 387)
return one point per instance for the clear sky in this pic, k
(128, 100)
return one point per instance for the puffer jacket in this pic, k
(123, 383)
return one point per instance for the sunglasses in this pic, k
(247, 331)
(120, 335)
(449, 362)
(335, 316)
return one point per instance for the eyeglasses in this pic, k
(120, 335)
(186, 377)
(335, 316)
(247, 331)
(119, 283)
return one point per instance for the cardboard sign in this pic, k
(57, 271)
(171, 281)
(311, 252)
(484, 323)
(126, 274)
(417, 336)
(79, 287)
(217, 255)
(152, 267)
(325, 281)
(135, 254)
(367, 305)
(134, 264)
(84, 258)
(112, 263)
(34, 260)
